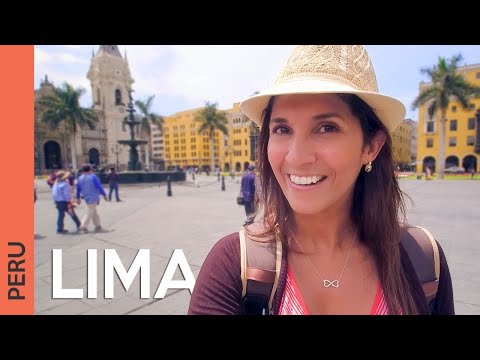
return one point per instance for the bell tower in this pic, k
(110, 80)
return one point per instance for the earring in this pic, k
(368, 167)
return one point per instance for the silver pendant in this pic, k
(328, 283)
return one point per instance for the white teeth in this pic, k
(305, 180)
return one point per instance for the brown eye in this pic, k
(328, 128)
(280, 130)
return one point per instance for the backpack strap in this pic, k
(423, 252)
(260, 264)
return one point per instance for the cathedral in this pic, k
(110, 81)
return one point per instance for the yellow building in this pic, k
(401, 143)
(236, 150)
(462, 131)
(183, 146)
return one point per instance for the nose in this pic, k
(301, 151)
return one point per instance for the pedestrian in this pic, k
(428, 175)
(113, 179)
(88, 186)
(61, 193)
(247, 189)
(472, 172)
(330, 199)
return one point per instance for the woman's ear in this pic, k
(373, 148)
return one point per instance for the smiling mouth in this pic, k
(306, 180)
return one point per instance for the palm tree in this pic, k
(64, 107)
(211, 119)
(446, 85)
(147, 119)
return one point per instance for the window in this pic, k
(118, 97)
(471, 124)
(454, 108)
(471, 106)
(429, 143)
(452, 141)
(470, 140)
(430, 126)
(453, 125)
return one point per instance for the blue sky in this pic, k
(184, 77)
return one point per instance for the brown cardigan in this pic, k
(218, 288)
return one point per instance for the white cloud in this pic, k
(72, 59)
(40, 56)
(74, 47)
(224, 74)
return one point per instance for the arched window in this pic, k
(118, 97)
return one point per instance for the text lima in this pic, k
(141, 264)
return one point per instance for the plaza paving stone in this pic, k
(199, 214)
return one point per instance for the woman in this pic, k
(330, 194)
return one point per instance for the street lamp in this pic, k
(116, 150)
(104, 149)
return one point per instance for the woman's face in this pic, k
(316, 151)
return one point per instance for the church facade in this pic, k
(110, 80)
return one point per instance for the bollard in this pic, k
(169, 186)
(193, 176)
(219, 176)
(223, 183)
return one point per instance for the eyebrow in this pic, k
(280, 120)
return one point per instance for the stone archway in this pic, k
(93, 157)
(450, 161)
(469, 162)
(238, 167)
(430, 162)
(53, 155)
(226, 167)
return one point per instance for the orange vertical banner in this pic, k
(16, 187)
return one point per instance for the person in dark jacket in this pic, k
(329, 195)
(113, 179)
(247, 188)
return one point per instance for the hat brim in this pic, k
(389, 110)
(64, 176)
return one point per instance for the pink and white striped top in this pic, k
(293, 304)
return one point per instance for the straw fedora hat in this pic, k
(62, 175)
(323, 69)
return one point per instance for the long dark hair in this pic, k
(378, 207)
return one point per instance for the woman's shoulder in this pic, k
(227, 243)
(228, 247)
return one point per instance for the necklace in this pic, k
(326, 282)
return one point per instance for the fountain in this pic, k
(133, 175)
(133, 163)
